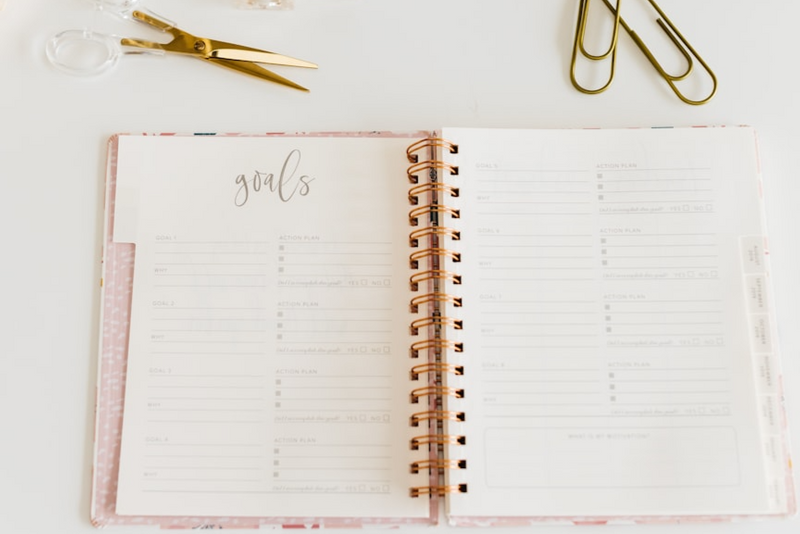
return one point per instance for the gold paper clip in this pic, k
(579, 45)
(680, 43)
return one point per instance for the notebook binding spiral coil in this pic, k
(430, 253)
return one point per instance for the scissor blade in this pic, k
(260, 56)
(257, 71)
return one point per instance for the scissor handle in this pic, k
(142, 46)
(150, 18)
(86, 53)
(125, 8)
(82, 52)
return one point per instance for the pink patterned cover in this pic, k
(117, 283)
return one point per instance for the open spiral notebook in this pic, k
(514, 326)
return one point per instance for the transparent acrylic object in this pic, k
(83, 52)
(265, 4)
(125, 8)
(86, 53)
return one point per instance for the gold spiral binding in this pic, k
(441, 491)
(413, 260)
(438, 274)
(428, 195)
(436, 296)
(437, 321)
(437, 415)
(430, 142)
(438, 231)
(456, 370)
(437, 345)
(436, 391)
(429, 165)
(416, 213)
(438, 440)
(415, 192)
(438, 464)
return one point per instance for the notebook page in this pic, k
(267, 365)
(607, 342)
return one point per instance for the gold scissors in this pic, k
(64, 51)
(229, 55)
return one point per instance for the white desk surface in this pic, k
(385, 65)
